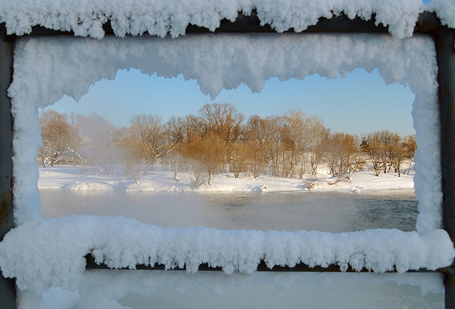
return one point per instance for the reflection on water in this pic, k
(286, 211)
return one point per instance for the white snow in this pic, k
(445, 10)
(41, 253)
(173, 16)
(81, 178)
(51, 252)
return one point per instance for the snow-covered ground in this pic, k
(161, 180)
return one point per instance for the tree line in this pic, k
(219, 139)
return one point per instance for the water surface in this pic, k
(285, 211)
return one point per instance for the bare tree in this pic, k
(176, 128)
(372, 146)
(274, 146)
(224, 121)
(341, 154)
(391, 145)
(240, 154)
(152, 137)
(256, 138)
(317, 132)
(402, 151)
(207, 151)
(384, 149)
(57, 136)
(409, 144)
(295, 139)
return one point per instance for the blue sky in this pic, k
(360, 103)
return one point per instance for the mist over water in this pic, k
(284, 211)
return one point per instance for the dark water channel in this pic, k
(285, 211)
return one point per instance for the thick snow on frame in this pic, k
(47, 69)
(53, 250)
(158, 17)
(445, 10)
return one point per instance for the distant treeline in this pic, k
(219, 139)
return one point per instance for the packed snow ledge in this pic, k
(172, 17)
(51, 252)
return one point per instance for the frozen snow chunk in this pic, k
(86, 185)
(445, 9)
(172, 17)
(357, 189)
(54, 249)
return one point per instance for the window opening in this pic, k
(126, 154)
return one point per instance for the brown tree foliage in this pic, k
(341, 154)
(206, 154)
(256, 140)
(388, 150)
(218, 139)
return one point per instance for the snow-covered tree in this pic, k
(57, 136)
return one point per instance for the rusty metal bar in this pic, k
(7, 286)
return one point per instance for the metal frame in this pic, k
(7, 286)
(444, 40)
(428, 24)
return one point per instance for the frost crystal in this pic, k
(86, 18)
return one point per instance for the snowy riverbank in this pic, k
(89, 178)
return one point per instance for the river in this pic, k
(284, 211)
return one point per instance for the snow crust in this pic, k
(51, 252)
(173, 16)
(41, 253)
(445, 10)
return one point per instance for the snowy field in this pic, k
(159, 180)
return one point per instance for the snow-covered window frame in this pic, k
(430, 248)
